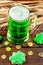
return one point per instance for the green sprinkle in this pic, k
(17, 58)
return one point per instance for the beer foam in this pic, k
(19, 13)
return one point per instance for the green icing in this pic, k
(39, 38)
(17, 58)
(1, 37)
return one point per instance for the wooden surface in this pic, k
(33, 6)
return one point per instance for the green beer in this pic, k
(18, 23)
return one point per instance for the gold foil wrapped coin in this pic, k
(6, 43)
(30, 53)
(18, 46)
(3, 56)
(8, 48)
(41, 54)
(30, 44)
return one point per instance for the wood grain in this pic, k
(33, 6)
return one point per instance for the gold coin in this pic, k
(18, 46)
(30, 44)
(3, 56)
(8, 48)
(6, 43)
(41, 54)
(30, 53)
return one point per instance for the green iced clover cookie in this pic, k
(1, 37)
(17, 58)
(39, 38)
